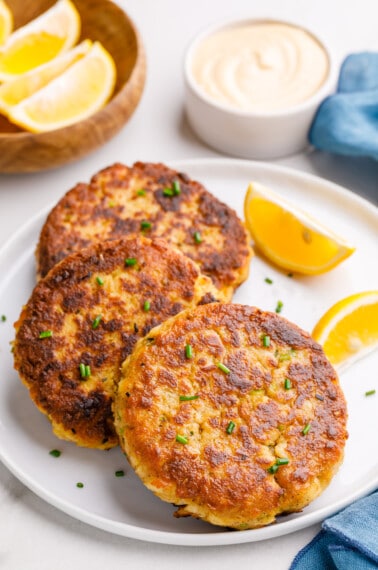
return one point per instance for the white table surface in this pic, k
(33, 534)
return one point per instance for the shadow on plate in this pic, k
(350, 172)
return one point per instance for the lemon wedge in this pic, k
(39, 41)
(349, 329)
(14, 91)
(289, 237)
(6, 22)
(76, 94)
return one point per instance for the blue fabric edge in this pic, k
(329, 526)
(339, 150)
(308, 546)
(358, 546)
(345, 62)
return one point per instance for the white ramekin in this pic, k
(248, 134)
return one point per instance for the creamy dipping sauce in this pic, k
(260, 67)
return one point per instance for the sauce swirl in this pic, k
(260, 66)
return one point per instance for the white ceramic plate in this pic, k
(121, 504)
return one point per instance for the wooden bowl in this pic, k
(102, 20)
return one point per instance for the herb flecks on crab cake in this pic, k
(84, 318)
(231, 413)
(156, 201)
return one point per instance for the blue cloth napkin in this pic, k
(347, 122)
(348, 540)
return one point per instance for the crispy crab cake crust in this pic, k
(94, 305)
(112, 205)
(221, 471)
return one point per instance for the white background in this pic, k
(34, 535)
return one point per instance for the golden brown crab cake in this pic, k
(231, 413)
(84, 318)
(159, 202)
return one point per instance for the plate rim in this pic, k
(184, 538)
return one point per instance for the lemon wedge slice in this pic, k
(6, 22)
(39, 41)
(14, 91)
(76, 94)
(289, 237)
(349, 329)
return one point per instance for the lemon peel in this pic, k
(40, 40)
(6, 22)
(14, 91)
(74, 95)
(289, 237)
(349, 329)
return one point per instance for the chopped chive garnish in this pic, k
(286, 355)
(188, 398)
(99, 280)
(230, 428)
(306, 429)
(129, 261)
(188, 351)
(141, 192)
(168, 192)
(80, 485)
(197, 237)
(319, 397)
(287, 384)
(145, 225)
(146, 306)
(119, 473)
(111, 204)
(85, 370)
(268, 280)
(279, 306)
(224, 368)
(176, 187)
(266, 340)
(282, 461)
(3, 318)
(279, 461)
(96, 322)
(370, 393)
(181, 439)
(55, 453)
(45, 334)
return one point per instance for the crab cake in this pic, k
(84, 318)
(155, 200)
(231, 413)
